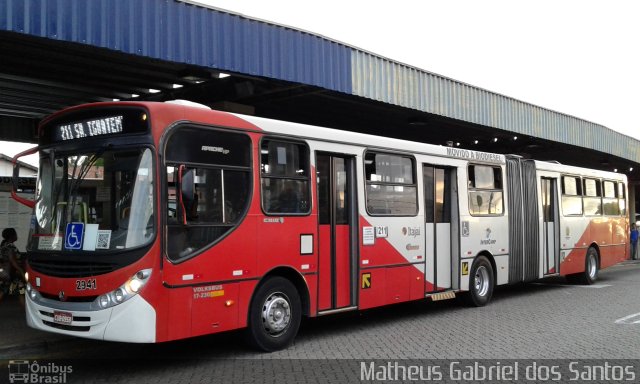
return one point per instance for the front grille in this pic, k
(71, 268)
(70, 299)
(67, 327)
(75, 318)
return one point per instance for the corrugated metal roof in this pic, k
(395, 83)
(180, 32)
(185, 33)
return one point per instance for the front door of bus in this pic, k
(438, 196)
(336, 223)
(550, 229)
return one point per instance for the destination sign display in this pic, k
(96, 127)
(103, 122)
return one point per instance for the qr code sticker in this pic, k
(103, 240)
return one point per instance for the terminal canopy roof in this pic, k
(59, 53)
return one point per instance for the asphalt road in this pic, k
(547, 321)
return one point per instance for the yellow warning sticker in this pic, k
(366, 280)
(206, 295)
(465, 268)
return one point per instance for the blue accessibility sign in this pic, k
(73, 236)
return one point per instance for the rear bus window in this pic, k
(610, 200)
(592, 200)
(622, 201)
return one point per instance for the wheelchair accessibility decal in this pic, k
(73, 236)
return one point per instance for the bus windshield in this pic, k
(93, 201)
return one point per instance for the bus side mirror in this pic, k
(16, 178)
(186, 197)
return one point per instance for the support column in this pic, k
(633, 186)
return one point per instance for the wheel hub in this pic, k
(592, 265)
(276, 314)
(481, 280)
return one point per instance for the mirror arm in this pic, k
(16, 177)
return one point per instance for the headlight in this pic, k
(118, 294)
(125, 291)
(104, 301)
(26, 276)
(31, 292)
(135, 285)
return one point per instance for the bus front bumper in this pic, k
(132, 321)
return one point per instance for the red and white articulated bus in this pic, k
(163, 221)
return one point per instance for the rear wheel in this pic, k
(590, 274)
(481, 282)
(275, 314)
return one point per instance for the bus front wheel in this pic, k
(481, 282)
(275, 315)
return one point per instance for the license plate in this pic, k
(62, 317)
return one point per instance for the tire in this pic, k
(481, 282)
(274, 315)
(591, 269)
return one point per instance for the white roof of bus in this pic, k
(358, 139)
(571, 170)
(361, 139)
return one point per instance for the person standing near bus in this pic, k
(5, 274)
(16, 263)
(634, 242)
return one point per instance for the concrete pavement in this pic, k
(547, 323)
(16, 336)
(17, 339)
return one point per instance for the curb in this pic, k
(629, 262)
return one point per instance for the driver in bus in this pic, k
(288, 200)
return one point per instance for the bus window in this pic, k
(213, 202)
(622, 202)
(391, 187)
(592, 200)
(571, 196)
(485, 190)
(219, 199)
(610, 200)
(219, 188)
(285, 178)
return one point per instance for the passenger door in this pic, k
(337, 222)
(439, 197)
(550, 228)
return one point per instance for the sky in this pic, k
(578, 57)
